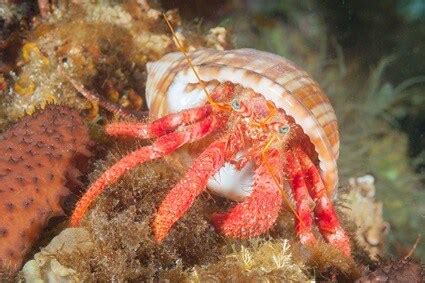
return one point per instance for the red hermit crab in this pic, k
(269, 123)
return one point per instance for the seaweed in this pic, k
(128, 251)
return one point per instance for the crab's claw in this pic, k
(326, 217)
(257, 214)
(181, 197)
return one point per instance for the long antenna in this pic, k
(215, 104)
(189, 60)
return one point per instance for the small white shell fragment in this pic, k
(46, 268)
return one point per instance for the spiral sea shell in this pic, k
(173, 86)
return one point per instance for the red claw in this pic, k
(257, 214)
(181, 197)
(303, 201)
(327, 220)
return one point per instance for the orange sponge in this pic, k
(38, 163)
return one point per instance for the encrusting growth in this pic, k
(39, 160)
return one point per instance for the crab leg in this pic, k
(327, 220)
(165, 124)
(162, 146)
(184, 193)
(255, 215)
(304, 203)
(159, 127)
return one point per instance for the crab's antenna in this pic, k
(95, 98)
(189, 60)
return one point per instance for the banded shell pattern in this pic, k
(172, 86)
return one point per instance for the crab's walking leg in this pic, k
(182, 196)
(303, 201)
(327, 220)
(159, 127)
(162, 146)
(255, 215)
(167, 123)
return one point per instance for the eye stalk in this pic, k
(235, 104)
(284, 129)
(279, 128)
(240, 107)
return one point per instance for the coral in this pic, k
(105, 46)
(366, 213)
(39, 157)
(264, 261)
(405, 214)
(45, 267)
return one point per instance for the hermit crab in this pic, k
(267, 124)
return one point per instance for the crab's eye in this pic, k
(235, 104)
(284, 129)
(279, 127)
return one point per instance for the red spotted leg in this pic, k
(159, 127)
(303, 202)
(162, 146)
(256, 214)
(184, 193)
(326, 218)
(167, 123)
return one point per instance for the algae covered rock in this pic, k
(104, 46)
(366, 213)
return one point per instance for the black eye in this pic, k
(281, 128)
(284, 129)
(235, 104)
